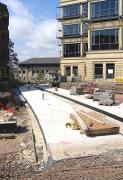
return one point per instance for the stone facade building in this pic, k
(92, 39)
(4, 41)
(36, 69)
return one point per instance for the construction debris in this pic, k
(105, 97)
(82, 88)
(8, 122)
(76, 90)
(7, 136)
(88, 87)
(8, 127)
(97, 93)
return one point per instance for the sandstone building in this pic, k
(92, 39)
(38, 68)
(4, 40)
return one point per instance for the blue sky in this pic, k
(33, 27)
(39, 7)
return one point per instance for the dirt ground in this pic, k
(108, 166)
(17, 155)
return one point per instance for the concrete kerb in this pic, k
(85, 105)
(47, 153)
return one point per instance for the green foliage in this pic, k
(13, 60)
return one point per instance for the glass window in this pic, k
(71, 50)
(71, 11)
(108, 8)
(85, 10)
(110, 71)
(98, 71)
(85, 29)
(105, 39)
(85, 48)
(68, 71)
(71, 30)
(75, 70)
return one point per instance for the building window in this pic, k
(98, 71)
(71, 50)
(71, 11)
(33, 72)
(105, 39)
(75, 70)
(104, 9)
(85, 48)
(68, 71)
(110, 71)
(23, 71)
(85, 29)
(85, 10)
(72, 30)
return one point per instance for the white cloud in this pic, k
(32, 37)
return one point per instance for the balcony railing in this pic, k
(68, 17)
(69, 36)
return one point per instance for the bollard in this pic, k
(43, 96)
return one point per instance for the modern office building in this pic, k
(36, 69)
(92, 39)
(4, 41)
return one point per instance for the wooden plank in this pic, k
(75, 117)
(7, 136)
(93, 126)
(97, 126)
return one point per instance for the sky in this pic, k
(33, 27)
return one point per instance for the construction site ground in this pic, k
(116, 109)
(73, 157)
(17, 155)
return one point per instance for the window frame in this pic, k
(71, 30)
(97, 42)
(98, 71)
(97, 9)
(68, 48)
(71, 11)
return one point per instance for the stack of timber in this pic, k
(94, 123)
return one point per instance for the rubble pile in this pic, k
(7, 118)
(76, 90)
(105, 97)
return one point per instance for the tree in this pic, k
(13, 60)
